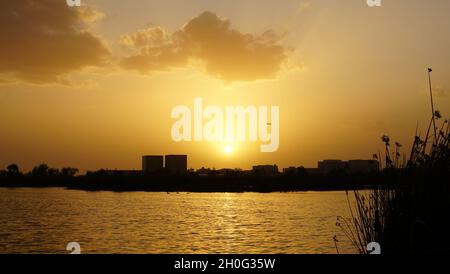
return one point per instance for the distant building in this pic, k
(225, 172)
(204, 171)
(247, 172)
(152, 163)
(290, 170)
(265, 170)
(176, 163)
(362, 166)
(313, 171)
(326, 166)
(351, 167)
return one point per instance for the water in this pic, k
(45, 220)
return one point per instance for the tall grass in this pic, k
(369, 217)
(408, 212)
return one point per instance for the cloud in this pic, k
(207, 39)
(153, 36)
(43, 41)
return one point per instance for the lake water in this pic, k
(45, 220)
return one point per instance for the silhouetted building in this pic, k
(326, 166)
(204, 171)
(247, 172)
(229, 172)
(152, 163)
(265, 170)
(176, 163)
(362, 166)
(290, 170)
(351, 167)
(313, 171)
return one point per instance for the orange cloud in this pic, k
(42, 41)
(227, 54)
(153, 36)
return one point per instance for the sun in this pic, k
(228, 149)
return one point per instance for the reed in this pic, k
(407, 213)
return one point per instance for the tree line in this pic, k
(41, 170)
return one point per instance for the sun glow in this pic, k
(228, 149)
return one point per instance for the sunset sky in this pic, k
(93, 86)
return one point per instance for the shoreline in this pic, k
(121, 190)
(192, 183)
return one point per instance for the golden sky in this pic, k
(93, 86)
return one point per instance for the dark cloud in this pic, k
(226, 53)
(42, 41)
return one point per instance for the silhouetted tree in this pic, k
(40, 170)
(69, 171)
(13, 170)
(53, 172)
